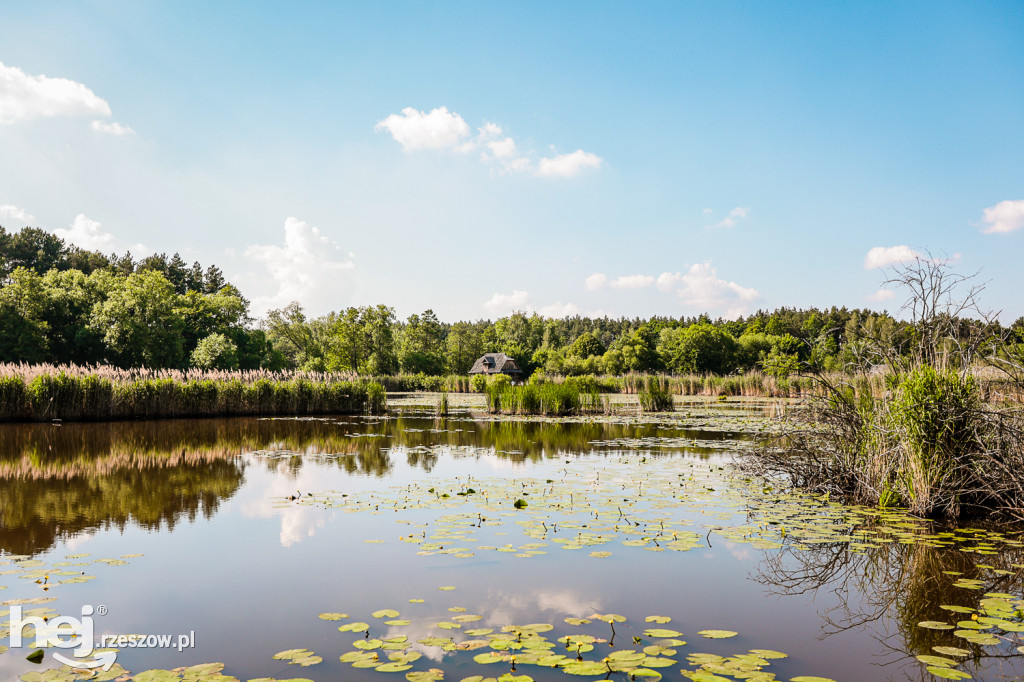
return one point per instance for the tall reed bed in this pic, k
(544, 399)
(655, 395)
(117, 394)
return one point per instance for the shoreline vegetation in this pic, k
(35, 393)
(71, 393)
(939, 441)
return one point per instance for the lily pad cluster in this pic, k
(509, 652)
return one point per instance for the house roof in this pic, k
(495, 363)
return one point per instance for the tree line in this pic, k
(63, 304)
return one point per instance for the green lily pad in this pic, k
(717, 634)
(948, 673)
(662, 633)
(385, 613)
(354, 627)
(332, 616)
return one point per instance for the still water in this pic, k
(238, 534)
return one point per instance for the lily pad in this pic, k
(717, 634)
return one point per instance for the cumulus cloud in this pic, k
(16, 213)
(568, 165)
(884, 256)
(702, 288)
(596, 281)
(305, 269)
(881, 295)
(111, 128)
(699, 287)
(738, 213)
(632, 282)
(87, 234)
(1006, 216)
(502, 304)
(413, 129)
(667, 281)
(499, 150)
(24, 97)
(559, 310)
(446, 130)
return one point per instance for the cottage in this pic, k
(497, 363)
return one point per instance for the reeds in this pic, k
(41, 393)
(543, 399)
(929, 443)
(655, 396)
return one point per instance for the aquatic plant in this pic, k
(930, 441)
(655, 397)
(39, 393)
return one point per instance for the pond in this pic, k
(409, 547)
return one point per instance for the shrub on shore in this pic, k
(934, 438)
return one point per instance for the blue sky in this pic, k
(592, 158)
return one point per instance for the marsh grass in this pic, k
(72, 393)
(655, 396)
(548, 399)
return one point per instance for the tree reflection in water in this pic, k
(895, 587)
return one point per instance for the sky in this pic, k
(592, 158)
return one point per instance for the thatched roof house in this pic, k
(496, 363)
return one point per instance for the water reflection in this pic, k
(899, 585)
(61, 480)
(38, 512)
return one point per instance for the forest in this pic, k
(60, 304)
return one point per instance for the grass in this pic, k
(543, 399)
(70, 393)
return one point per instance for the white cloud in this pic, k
(632, 282)
(738, 213)
(884, 256)
(707, 211)
(568, 165)
(559, 310)
(87, 234)
(703, 289)
(1006, 216)
(305, 269)
(111, 128)
(881, 295)
(16, 213)
(519, 301)
(596, 281)
(502, 304)
(667, 281)
(24, 97)
(413, 129)
(443, 129)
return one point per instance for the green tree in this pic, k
(215, 351)
(70, 298)
(700, 348)
(422, 344)
(140, 323)
(23, 329)
(585, 345)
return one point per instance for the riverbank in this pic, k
(64, 396)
